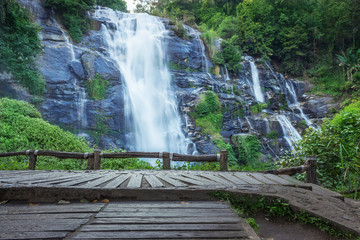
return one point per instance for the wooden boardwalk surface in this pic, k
(175, 185)
(141, 179)
(123, 220)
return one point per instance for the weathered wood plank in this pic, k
(245, 177)
(185, 179)
(36, 216)
(205, 181)
(32, 235)
(260, 177)
(99, 181)
(174, 210)
(135, 181)
(138, 220)
(164, 213)
(233, 179)
(167, 205)
(160, 227)
(72, 208)
(217, 179)
(161, 235)
(41, 225)
(291, 179)
(171, 181)
(153, 181)
(278, 179)
(117, 181)
(86, 178)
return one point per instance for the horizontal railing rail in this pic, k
(94, 159)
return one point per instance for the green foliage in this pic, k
(336, 146)
(247, 148)
(119, 5)
(22, 128)
(180, 30)
(96, 87)
(208, 114)
(74, 13)
(273, 134)
(258, 107)
(19, 46)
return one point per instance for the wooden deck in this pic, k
(141, 179)
(123, 220)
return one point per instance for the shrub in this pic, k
(96, 87)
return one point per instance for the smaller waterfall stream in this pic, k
(256, 83)
(291, 135)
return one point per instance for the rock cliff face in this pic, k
(286, 110)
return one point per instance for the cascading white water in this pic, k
(227, 78)
(291, 135)
(136, 42)
(294, 103)
(256, 83)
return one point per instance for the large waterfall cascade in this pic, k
(137, 43)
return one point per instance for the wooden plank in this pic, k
(278, 179)
(217, 179)
(233, 179)
(161, 235)
(175, 210)
(42, 225)
(99, 181)
(160, 227)
(171, 181)
(153, 181)
(135, 181)
(32, 235)
(137, 220)
(117, 181)
(35, 176)
(260, 177)
(175, 205)
(201, 179)
(80, 180)
(164, 213)
(187, 180)
(21, 216)
(291, 179)
(71, 208)
(46, 182)
(245, 177)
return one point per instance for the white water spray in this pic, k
(291, 135)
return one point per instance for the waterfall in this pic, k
(294, 103)
(227, 78)
(256, 83)
(291, 135)
(136, 42)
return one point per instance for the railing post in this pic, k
(32, 159)
(166, 161)
(223, 160)
(311, 171)
(90, 165)
(97, 159)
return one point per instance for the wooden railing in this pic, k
(94, 159)
(309, 168)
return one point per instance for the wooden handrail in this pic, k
(94, 159)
